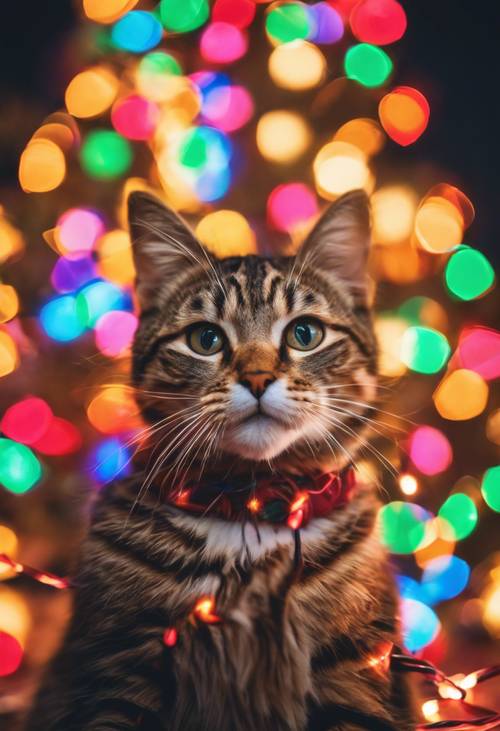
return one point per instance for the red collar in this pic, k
(283, 498)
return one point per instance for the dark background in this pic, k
(450, 51)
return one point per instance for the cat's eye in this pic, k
(205, 338)
(306, 333)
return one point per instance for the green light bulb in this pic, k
(288, 22)
(424, 349)
(402, 530)
(367, 64)
(182, 16)
(105, 154)
(460, 512)
(19, 468)
(490, 488)
(468, 274)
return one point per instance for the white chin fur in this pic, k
(261, 437)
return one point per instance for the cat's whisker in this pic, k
(372, 407)
(365, 419)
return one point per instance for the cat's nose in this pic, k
(257, 381)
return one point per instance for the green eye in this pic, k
(305, 334)
(205, 339)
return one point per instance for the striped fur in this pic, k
(293, 650)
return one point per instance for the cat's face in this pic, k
(262, 358)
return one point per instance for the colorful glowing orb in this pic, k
(20, 470)
(9, 303)
(378, 21)
(291, 205)
(462, 394)
(109, 460)
(137, 31)
(289, 22)
(239, 13)
(223, 43)
(114, 333)
(393, 211)
(402, 526)
(77, 231)
(105, 154)
(62, 437)
(42, 166)
(226, 233)
(27, 421)
(91, 92)
(327, 25)
(11, 654)
(444, 578)
(479, 351)
(282, 136)
(490, 488)
(424, 311)
(107, 11)
(424, 349)
(182, 16)
(69, 275)
(59, 318)
(9, 357)
(227, 107)
(116, 262)
(469, 274)
(339, 167)
(420, 624)
(135, 117)
(205, 149)
(364, 133)
(404, 114)
(297, 66)
(97, 298)
(460, 513)
(368, 65)
(430, 450)
(114, 410)
(389, 331)
(158, 76)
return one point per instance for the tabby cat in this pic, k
(257, 377)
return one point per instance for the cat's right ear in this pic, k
(162, 244)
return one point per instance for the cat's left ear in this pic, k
(340, 241)
(163, 246)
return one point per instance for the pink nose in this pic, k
(257, 381)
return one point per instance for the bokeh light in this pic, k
(239, 13)
(282, 136)
(297, 66)
(424, 311)
(420, 624)
(159, 76)
(368, 65)
(27, 420)
(97, 298)
(105, 154)
(107, 11)
(138, 31)
(493, 427)
(223, 43)
(91, 92)
(135, 117)
(226, 233)
(287, 22)
(109, 460)
(389, 331)
(462, 394)
(327, 25)
(9, 356)
(444, 578)
(20, 470)
(378, 21)
(408, 484)
(114, 410)
(114, 332)
(340, 167)
(42, 166)
(490, 488)
(9, 303)
(69, 275)
(393, 214)
(468, 274)
(424, 349)
(60, 320)
(227, 107)
(404, 114)
(362, 132)
(185, 16)
(116, 262)
(402, 526)
(438, 225)
(77, 231)
(290, 206)
(11, 654)
(430, 450)
(479, 350)
(460, 513)
(61, 438)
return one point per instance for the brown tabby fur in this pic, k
(293, 649)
